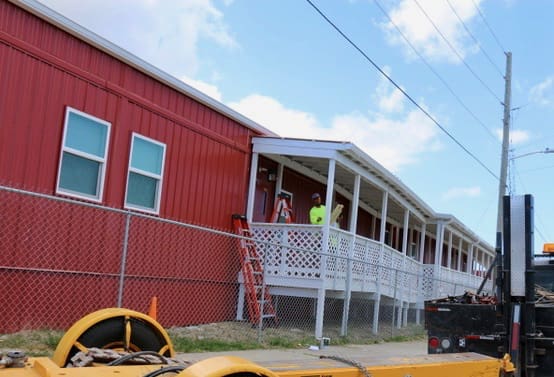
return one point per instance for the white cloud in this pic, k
(209, 89)
(388, 98)
(391, 136)
(462, 192)
(415, 26)
(394, 143)
(164, 33)
(543, 93)
(516, 136)
(519, 136)
(271, 114)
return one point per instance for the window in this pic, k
(144, 181)
(83, 156)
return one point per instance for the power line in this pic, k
(488, 27)
(457, 53)
(474, 39)
(435, 72)
(399, 88)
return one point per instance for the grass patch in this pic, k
(34, 343)
(183, 344)
(221, 337)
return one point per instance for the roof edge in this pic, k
(51, 16)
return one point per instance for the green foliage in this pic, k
(183, 344)
(34, 343)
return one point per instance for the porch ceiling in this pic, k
(370, 194)
(312, 157)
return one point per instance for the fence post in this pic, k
(262, 300)
(394, 302)
(347, 286)
(123, 260)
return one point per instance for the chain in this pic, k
(353, 363)
(93, 354)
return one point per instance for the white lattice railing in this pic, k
(293, 255)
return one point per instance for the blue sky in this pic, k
(281, 64)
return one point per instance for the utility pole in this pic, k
(505, 146)
(503, 172)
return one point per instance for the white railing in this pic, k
(293, 256)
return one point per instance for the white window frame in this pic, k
(102, 171)
(159, 177)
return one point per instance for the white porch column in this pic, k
(470, 263)
(404, 278)
(471, 259)
(355, 203)
(420, 259)
(411, 238)
(460, 252)
(437, 270)
(325, 248)
(422, 242)
(439, 244)
(449, 260)
(384, 206)
(405, 232)
(252, 187)
(374, 227)
(279, 183)
(352, 229)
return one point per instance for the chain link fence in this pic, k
(61, 259)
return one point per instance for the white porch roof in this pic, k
(311, 158)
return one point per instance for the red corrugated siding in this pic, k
(207, 153)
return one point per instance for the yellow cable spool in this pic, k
(113, 328)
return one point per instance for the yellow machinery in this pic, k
(125, 343)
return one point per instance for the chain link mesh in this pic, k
(61, 259)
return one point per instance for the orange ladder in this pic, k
(282, 211)
(258, 299)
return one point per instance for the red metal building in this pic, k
(83, 119)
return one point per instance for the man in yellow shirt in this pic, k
(317, 213)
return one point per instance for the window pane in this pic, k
(141, 191)
(79, 174)
(86, 135)
(147, 156)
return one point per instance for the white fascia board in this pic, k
(294, 151)
(78, 31)
(288, 147)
